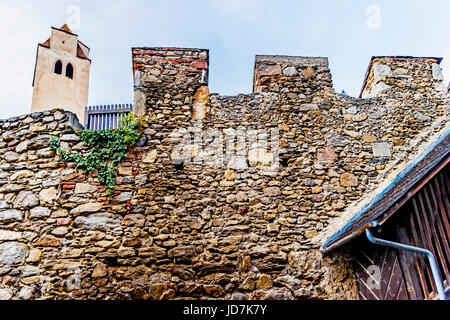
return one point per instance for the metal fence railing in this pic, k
(105, 117)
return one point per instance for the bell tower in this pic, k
(61, 75)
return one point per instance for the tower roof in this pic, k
(66, 28)
(80, 52)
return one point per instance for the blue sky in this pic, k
(234, 31)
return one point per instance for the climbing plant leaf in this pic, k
(107, 148)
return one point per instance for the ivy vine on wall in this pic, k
(107, 148)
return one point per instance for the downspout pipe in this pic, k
(430, 256)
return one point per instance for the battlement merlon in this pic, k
(386, 74)
(168, 76)
(294, 74)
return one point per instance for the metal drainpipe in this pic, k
(430, 256)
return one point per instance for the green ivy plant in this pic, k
(107, 148)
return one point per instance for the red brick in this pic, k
(200, 64)
(63, 221)
(190, 70)
(180, 60)
(150, 52)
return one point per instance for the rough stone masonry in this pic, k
(180, 229)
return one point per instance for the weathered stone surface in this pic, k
(3, 205)
(8, 136)
(21, 174)
(26, 293)
(60, 231)
(88, 208)
(26, 200)
(69, 138)
(186, 251)
(264, 282)
(201, 101)
(359, 117)
(377, 90)
(37, 127)
(48, 195)
(124, 196)
(308, 72)
(271, 70)
(5, 294)
(12, 253)
(260, 157)
(230, 175)
(326, 155)
(290, 71)
(6, 235)
(273, 228)
(275, 294)
(99, 271)
(126, 252)
(99, 221)
(45, 153)
(381, 71)
(48, 241)
(421, 116)
(82, 188)
(272, 192)
(150, 157)
(40, 212)
(34, 256)
(381, 149)
(11, 156)
(308, 107)
(349, 180)
(437, 72)
(28, 271)
(157, 290)
(9, 216)
(369, 139)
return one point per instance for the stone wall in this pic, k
(216, 217)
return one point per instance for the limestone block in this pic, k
(201, 101)
(26, 200)
(381, 149)
(12, 253)
(99, 221)
(10, 216)
(381, 71)
(40, 212)
(437, 72)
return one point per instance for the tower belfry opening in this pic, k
(69, 71)
(58, 67)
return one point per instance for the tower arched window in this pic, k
(58, 67)
(69, 71)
